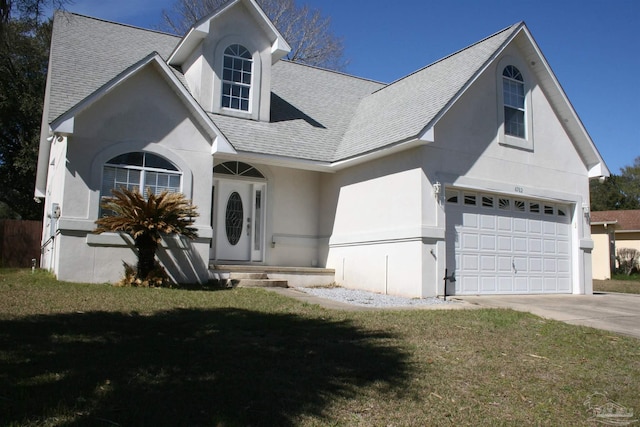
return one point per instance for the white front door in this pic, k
(238, 223)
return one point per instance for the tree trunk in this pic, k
(147, 247)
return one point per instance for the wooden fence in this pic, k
(19, 242)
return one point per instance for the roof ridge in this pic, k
(444, 58)
(106, 21)
(328, 70)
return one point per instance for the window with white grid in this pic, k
(135, 171)
(236, 78)
(514, 102)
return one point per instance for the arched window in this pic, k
(236, 78)
(237, 169)
(514, 102)
(141, 171)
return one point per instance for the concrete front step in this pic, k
(252, 276)
(260, 283)
(294, 276)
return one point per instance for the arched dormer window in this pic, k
(139, 170)
(236, 78)
(514, 102)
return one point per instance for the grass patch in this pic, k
(628, 285)
(77, 354)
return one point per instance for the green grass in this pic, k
(619, 283)
(96, 355)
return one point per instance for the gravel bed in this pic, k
(371, 299)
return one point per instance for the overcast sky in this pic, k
(593, 47)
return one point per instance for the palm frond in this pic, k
(155, 215)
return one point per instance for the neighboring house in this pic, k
(612, 230)
(476, 165)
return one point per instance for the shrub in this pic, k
(628, 259)
(156, 278)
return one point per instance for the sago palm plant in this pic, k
(146, 220)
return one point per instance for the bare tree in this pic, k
(306, 30)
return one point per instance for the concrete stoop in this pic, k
(263, 276)
(256, 280)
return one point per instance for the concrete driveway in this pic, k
(609, 311)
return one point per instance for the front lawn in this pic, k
(77, 354)
(619, 283)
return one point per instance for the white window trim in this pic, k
(255, 91)
(525, 143)
(239, 84)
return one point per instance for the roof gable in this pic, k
(65, 123)
(87, 52)
(200, 30)
(405, 112)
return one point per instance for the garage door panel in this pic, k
(488, 242)
(520, 225)
(470, 263)
(470, 220)
(535, 226)
(564, 266)
(505, 284)
(564, 284)
(488, 285)
(521, 284)
(549, 246)
(550, 284)
(519, 265)
(549, 228)
(563, 248)
(510, 248)
(535, 284)
(535, 245)
(520, 244)
(470, 241)
(488, 263)
(469, 284)
(550, 265)
(504, 224)
(504, 264)
(488, 222)
(535, 265)
(504, 244)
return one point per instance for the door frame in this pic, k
(257, 215)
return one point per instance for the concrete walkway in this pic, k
(608, 311)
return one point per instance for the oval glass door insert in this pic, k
(233, 218)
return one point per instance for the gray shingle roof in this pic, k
(86, 53)
(402, 109)
(310, 111)
(316, 114)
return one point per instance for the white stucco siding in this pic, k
(468, 154)
(385, 234)
(394, 268)
(141, 114)
(55, 184)
(293, 217)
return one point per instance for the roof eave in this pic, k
(387, 150)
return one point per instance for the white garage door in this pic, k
(506, 245)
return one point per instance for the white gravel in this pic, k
(371, 299)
